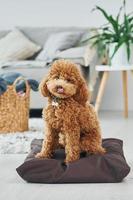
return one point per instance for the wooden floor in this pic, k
(12, 187)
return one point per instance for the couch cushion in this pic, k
(15, 46)
(82, 55)
(41, 34)
(3, 33)
(110, 167)
(57, 42)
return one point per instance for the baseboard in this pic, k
(36, 113)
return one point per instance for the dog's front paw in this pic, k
(42, 155)
(71, 159)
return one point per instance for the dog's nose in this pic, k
(59, 86)
(60, 89)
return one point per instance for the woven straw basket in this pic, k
(14, 109)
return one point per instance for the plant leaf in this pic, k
(117, 47)
(90, 38)
(119, 13)
(104, 13)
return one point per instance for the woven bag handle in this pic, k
(26, 83)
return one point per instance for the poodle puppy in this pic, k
(70, 120)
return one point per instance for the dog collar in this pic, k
(55, 101)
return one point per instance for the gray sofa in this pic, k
(40, 35)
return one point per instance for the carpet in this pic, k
(19, 142)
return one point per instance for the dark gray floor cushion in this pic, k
(108, 168)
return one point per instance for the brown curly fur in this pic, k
(74, 119)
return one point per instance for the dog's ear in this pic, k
(43, 87)
(82, 94)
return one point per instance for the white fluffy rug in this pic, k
(20, 142)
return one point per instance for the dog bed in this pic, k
(108, 168)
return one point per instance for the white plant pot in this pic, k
(120, 57)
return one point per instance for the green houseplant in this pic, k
(116, 35)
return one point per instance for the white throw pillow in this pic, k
(16, 46)
(57, 42)
(82, 55)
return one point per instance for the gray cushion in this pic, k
(41, 34)
(57, 42)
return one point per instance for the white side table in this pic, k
(106, 69)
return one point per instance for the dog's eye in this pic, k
(56, 77)
(69, 80)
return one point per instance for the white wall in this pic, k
(67, 13)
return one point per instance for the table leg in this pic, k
(125, 93)
(132, 72)
(101, 90)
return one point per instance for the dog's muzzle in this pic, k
(59, 89)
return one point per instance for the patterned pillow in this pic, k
(16, 46)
